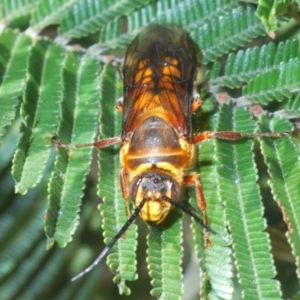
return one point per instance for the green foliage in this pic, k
(269, 79)
(12, 10)
(122, 257)
(39, 100)
(85, 18)
(245, 66)
(57, 87)
(14, 53)
(214, 284)
(164, 258)
(50, 12)
(77, 162)
(293, 106)
(243, 211)
(28, 113)
(215, 27)
(283, 164)
(67, 107)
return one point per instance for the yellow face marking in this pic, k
(155, 209)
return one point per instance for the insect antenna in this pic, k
(113, 241)
(189, 212)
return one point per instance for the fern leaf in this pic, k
(26, 270)
(293, 105)
(160, 11)
(28, 264)
(122, 258)
(243, 208)
(85, 18)
(216, 29)
(20, 225)
(40, 71)
(48, 96)
(50, 12)
(227, 31)
(12, 10)
(15, 217)
(14, 53)
(281, 158)
(111, 34)
(29, 109)
(7, 148)
(83, 131)
(67, 107)
(240, 68)
(41, 282)
(164, 258)
(219, 255)
(275, 84)
(266, 11)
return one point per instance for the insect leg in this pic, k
(231, 135)
(124, 189)
(98, 144)
(193, 179)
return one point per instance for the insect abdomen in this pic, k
(155, 144)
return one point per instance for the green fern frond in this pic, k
(67, 107)
(88, 17)
(216, 29)
(47, 88)
(24, 259)
(240, 194)
(12, 10)
(275, 84)
(21, 236)
(122, 257)
(219, 255)
(245, 65)
(78, 123)
(266, 11)
(293, 105)
(29, 111)
(15, 49)
(43, 116)
(84, 126)
(50, 12)
(164, 258)
(227, 31)
(281, 157)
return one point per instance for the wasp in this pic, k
(157, 147)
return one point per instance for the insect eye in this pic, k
(175, 191)
(134, 187)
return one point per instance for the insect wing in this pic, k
(159, 72)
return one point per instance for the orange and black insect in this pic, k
(157, 144)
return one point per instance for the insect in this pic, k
(157, 144)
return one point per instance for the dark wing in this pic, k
(159, 71)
